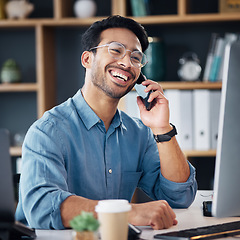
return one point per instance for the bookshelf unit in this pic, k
(44, 28)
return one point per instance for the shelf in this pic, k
(198, 153)
(191, 85)
(187, 18)
(16, 151)
(71, 22)
(18, 87)
(7, 23)
(48, 22)
(147, 20)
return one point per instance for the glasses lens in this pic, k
(116, 50)
(138, 59)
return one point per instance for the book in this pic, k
(210, 56)
(138, 8)
(217, 58)
(229, 6)
(147, 7)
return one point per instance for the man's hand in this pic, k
(157, 214)
(158, 116)
(174, 165)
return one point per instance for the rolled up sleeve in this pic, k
(157, 187)
(43, 184)
(179, 195)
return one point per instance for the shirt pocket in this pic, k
(129, 182)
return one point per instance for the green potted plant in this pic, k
(85, 226)
(10, 72)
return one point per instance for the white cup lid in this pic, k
(113, 206)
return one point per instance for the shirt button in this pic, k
(110, 171)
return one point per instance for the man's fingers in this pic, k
(152, 85)
(164, 217)
(157, 214)
(157, 95)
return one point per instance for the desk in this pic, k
(187, 218)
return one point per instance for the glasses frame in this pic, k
(125, 51)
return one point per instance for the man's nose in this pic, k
(126, 60)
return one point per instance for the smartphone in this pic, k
(140, 91)
(207, 208)
(133, 232)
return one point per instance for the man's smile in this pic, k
(119, 75)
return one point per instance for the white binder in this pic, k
(215, 98)
(180, 104)
(131, 104)
(201, 99)
(186, 119)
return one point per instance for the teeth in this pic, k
(116, 74)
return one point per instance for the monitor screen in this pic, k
(6, 184)
(226, 197)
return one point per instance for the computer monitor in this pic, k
(226, 196)
(9, 228)
(7, 205)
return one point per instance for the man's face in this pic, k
(116, 77)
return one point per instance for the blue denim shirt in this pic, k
(68, 152)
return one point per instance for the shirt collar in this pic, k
(88, 116)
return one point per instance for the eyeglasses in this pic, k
(117, 51)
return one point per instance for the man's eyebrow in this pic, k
(109, 42)
(124, 46)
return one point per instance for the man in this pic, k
(85, 149)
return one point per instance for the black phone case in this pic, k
(147, 104)
(207, 208)
(140, 79)
(133, 232)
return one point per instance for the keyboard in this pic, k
(16, 230)
(209, 232)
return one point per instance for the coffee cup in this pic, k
(113, 218)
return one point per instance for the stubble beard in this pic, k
(100, 82)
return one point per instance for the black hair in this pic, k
(91, 38)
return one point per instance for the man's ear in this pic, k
(86, 59)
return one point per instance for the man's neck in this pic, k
(104, 106)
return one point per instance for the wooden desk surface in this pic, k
(190, 218)
(187, 218)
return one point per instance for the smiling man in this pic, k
(86, 150)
